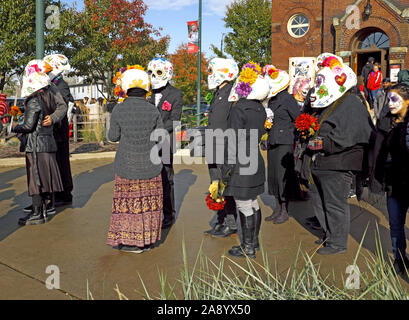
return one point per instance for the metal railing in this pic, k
(82, 123)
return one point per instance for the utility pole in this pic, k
(39, 29)
(199, 64)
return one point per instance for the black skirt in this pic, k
(50, 179)
(282, 181)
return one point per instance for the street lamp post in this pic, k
(199, 64)
(39, 29)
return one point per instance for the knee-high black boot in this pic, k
(248, 225)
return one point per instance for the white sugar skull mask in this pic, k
(278, 80)
(221, 70)
(160, 72)
(332, 81)
(59, 63)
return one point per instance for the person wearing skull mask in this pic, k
(221, 73)
(169, 102)
(58, 119)
(61, 64)
(245, 178)
(281, 139)
(336, 150)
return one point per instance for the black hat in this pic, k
(371, 60)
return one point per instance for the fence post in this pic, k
(75, 128)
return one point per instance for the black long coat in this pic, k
(61, 128)
(247, 119)
(286, 111)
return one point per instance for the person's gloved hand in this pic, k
(214, 189)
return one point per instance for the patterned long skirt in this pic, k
(136, 212)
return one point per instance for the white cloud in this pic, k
(215, 6)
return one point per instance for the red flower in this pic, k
(304, 123)
(214, 205)
(167, 106)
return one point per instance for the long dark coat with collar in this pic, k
(247, 115)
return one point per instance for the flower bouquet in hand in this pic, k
(215, 200)
(16, 113)
(306, 125)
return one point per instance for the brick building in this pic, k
(310, 27)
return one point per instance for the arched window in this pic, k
(376, 39)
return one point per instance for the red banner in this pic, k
(193, 29)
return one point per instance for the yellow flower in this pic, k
(258, 68)
(248, 76)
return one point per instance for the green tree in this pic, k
(250, 38)
(17, 35)
(112, 34)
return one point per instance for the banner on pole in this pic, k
(193, 43)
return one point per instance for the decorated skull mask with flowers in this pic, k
(130, 77)
(59, 63)
(221, 70)
(251, 84)
(160, 72)
(35, 77)
(278, 80)
(332, 81)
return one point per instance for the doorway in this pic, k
(361, 58)
(371, 42)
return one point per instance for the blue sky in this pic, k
(172, 16)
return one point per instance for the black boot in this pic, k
(215, 228)
(224, 232)
(276, 212)
(248, 225)
(257, 229)
(283, 216)
(39, 215)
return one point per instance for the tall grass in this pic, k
(230, 280)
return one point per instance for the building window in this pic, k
(298, 25)
(374, 40)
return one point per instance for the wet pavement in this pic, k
(74, 240)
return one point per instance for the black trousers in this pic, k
(329, 195)
(169, 211)
(228, 215)
(282, 180)
(63, 161)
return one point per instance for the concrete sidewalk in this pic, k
(74, 240)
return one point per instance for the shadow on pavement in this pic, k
(7, 176)
(87, 183)
(184, 179)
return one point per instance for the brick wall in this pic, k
(334, 38)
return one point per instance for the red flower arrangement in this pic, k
(213, 204)
(307, 125)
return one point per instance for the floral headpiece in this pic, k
(118, 79)
(248, 76)
(251, 84)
